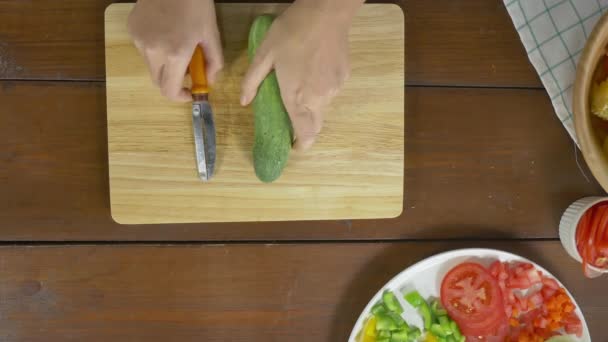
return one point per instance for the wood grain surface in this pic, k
(354, 170)
(478, 163)
(447, 36)
(290, 292)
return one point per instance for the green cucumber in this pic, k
(273, 135)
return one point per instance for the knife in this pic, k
(202, 117)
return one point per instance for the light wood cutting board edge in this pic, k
(384, 215)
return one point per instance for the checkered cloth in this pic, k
(554, 33)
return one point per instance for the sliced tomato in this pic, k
(473, 299)
(500, 336)
(489, 326)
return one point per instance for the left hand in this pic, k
(307, 46)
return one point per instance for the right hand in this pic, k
(166, 34)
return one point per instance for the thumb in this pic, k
(306, 125)
(259, 68)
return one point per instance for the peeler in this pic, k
(202, 117)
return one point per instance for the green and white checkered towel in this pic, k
(554, 33)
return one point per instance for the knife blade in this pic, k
(202, 117)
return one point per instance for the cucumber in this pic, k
(273, 135)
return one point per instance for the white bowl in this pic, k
(568, 225)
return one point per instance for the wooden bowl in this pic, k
(585, 123)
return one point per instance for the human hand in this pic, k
(166, 34)
(307, 46)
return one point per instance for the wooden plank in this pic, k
(153, 175)
(478, 163)
(449, 42)
(52, 39)
(468, 42)
(296, 292)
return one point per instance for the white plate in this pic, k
(426, 275)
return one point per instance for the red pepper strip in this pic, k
(587, 239)
(595, 224)
(582, 228)
(602, 226)
(598, 241)
(592, 252)
(583, 234)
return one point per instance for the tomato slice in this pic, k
(473, 299)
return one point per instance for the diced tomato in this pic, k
(572, 319)
(523, 304)
(536, 300)
(541, 322)
(550, 283)
(536, 312)
(518, 282)
(534, 276)
(547, 292)
(528, 317)
(508, 310)
(576, 329)
(511, 297)
(542, 333)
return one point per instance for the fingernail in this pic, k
(244, 100)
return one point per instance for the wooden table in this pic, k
(487, 163)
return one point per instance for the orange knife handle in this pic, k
(198, 72)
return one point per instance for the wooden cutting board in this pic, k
(354, 171)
